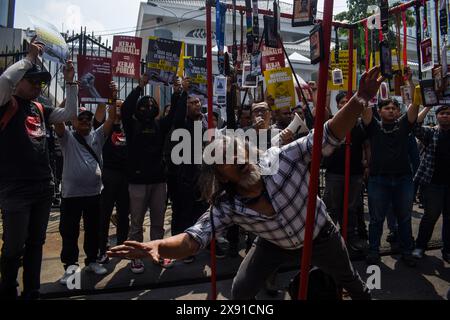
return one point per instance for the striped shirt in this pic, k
(430, 138)
(288, 192)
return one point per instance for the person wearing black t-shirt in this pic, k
(434, 176)
(335, 180)
(115, 181)
(390, 182)
(26, 186)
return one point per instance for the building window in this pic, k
(199, 51)
(190, 50)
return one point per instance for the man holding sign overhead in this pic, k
(26, 187)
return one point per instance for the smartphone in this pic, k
(386, 60)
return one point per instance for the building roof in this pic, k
(286, 7)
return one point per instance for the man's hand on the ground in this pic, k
(134, 250)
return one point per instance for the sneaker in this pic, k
(137, 266)
(373, 259)
(166, 263)
(409, 260)
(96, 268)
(392, 237)
(358, 244)
(67, 274)
(103, 259)
(189, 260)
(418, 253)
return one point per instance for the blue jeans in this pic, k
(384, 192)
(437, 202)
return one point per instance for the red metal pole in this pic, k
(405, 40)
(348, 141)
(366, 34)
(317, 150)
(210, 126)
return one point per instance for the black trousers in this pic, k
(25, 212)
(72, 209)
(115, 193)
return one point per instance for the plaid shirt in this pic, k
(429, 137)
(288, 192)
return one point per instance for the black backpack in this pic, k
(321, 287)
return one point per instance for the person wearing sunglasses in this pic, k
(26, 182)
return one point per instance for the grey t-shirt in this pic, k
(82, 175)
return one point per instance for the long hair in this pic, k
(211, 188)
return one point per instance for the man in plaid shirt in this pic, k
(434, 177)
(273, 207)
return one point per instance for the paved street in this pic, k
(429, 281)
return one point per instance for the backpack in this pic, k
(11, 110)
(321, 287)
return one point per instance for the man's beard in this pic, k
(252, 178)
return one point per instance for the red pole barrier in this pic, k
(317, 150)
(210, 122)
(405, 40)
(348, 141)
(366, 35)
(438, 30)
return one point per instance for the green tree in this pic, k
(357, 10)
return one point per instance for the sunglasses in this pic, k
(36, 82)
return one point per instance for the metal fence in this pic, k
(79, 44)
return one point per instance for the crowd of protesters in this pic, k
(120, 157)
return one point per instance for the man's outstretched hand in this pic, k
(370, 84)
(135, 250)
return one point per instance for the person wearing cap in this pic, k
(26, 186)
(434, 177)
(81, 188)
(390, 182)
(335, 180)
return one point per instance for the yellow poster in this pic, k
(280, 86)
(343, 65)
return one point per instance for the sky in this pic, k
(97, 15)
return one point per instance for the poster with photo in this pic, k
(126, 57)
(95, 76)
(280, 87)
(407, 95)
(426, 49)
(195, 69)
(303, 14)
(56, 48)
(163, 60)
(249, 78)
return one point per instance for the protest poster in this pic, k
(55, 47)
(126, 57)
(249, 78)
(195, 69)
(95, 76)
(272, 58)
(342, 65)
(163, 60)
(426, 48)
(240, 57)
(280, 87)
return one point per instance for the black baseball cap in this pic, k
(36, 72)
(84, 111)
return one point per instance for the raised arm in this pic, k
(344, 121)
(70, 111)
(129, 105)
(11, 77)
(423, 115)
(112, 112)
